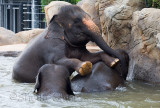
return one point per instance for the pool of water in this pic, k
(136, 94)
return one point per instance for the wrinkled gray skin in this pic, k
(102, 78)
(64, 43)
(53, 81)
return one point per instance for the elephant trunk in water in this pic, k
(96, 37)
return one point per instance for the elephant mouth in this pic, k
(65, 38)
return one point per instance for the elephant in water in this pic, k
(53, 81)
(64, 43)
(102, 78)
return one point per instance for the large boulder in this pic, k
(116, 21)
(145, 45)
(53, 8)
(100, 7)
(26, 36)
(8, 37)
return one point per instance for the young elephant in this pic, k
(64, 43)
(102, 78)
(53, 81)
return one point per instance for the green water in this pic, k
(20, 95)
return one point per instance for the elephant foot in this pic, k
(114, 62)
(85, 68)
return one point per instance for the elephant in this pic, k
(53, 81)
(64, 43)
(103, 78)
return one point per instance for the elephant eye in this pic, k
(77, 20)
(79, 34)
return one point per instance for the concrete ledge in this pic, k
(12, 50)
(14, 47)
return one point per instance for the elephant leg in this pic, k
(100, 56)
(108, 60)
(83, 68)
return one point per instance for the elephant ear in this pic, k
(52, 19)
(51, 25)
(38, 83)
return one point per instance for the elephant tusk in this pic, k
(114, 62)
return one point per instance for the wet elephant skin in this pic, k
(102, 78)
(64, 43)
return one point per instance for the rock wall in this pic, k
(126, 25)
(145, 45)
(100, 7)
(26, 36)
(116, 20)
(8, 37)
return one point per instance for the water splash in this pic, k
(130, 75)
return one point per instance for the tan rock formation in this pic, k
(144, 45)
(53, 8)
(117, 18)
(8, 37)
(26, 36)
(100, 7)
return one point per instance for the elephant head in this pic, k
(53, 80)
(79, 29)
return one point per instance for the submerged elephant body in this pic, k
(102, 78)
(64, 43)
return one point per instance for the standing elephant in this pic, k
(64, 43)
(53, 81)
(102, 78)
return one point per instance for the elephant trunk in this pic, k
(95, 35)
(103, 45)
